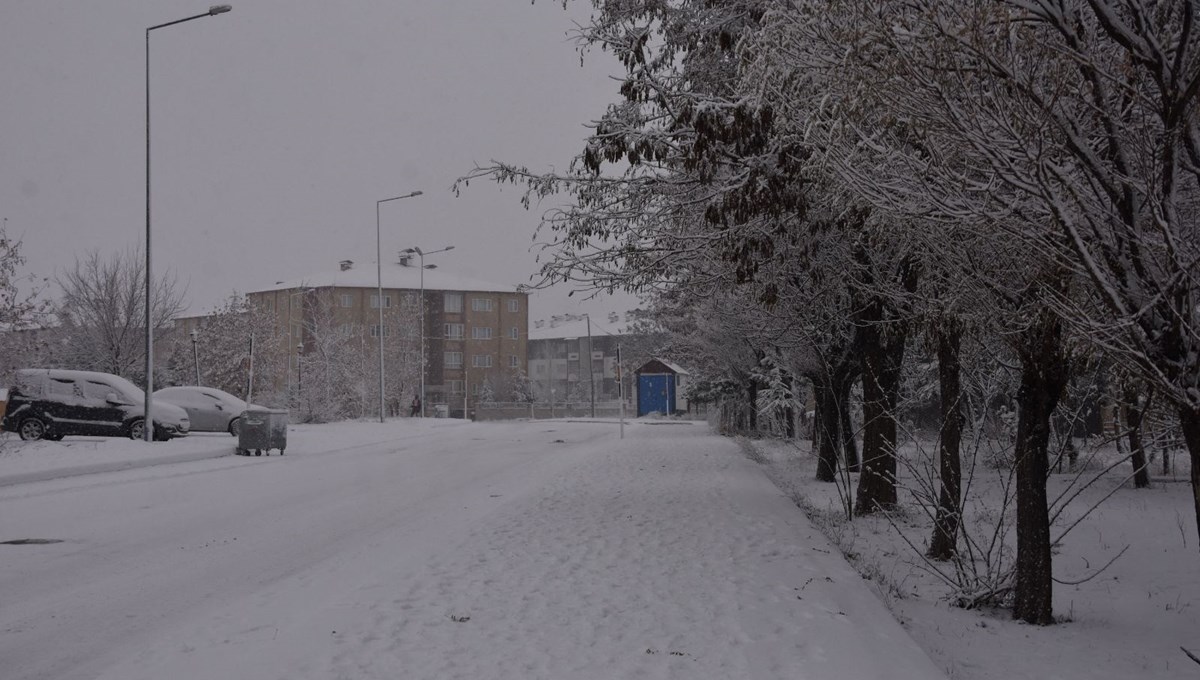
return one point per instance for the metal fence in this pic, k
(543, 410)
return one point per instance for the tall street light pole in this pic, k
(421, 257)
(379, 291)
(591, 374)
(148, 429)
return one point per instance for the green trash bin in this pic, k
(262, 429)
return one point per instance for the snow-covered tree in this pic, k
(222, 351)
(338, 376)
(24, 342)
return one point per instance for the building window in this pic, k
(481, 333)
(454, 331)
(387, 301)
(456, 386)
(514, 305)
(453, 303)
(481, 361)
(375, 331)
(514, 333)
(514, 361)
(347, 300)
(454, 359)
(481, 304)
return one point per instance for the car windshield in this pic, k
(126, 388)
(229, 399)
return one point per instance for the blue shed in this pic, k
(659, 385)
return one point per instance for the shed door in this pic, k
(654, 394)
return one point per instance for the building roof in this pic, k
(657, 364)
(393, 276)
(576, 326)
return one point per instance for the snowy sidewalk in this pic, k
(666, 555)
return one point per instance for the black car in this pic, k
(50, 403)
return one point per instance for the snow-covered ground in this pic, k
(426, 549)
(1128, 622)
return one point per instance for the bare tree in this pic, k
(102, 311)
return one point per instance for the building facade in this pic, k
(474, 333)
(567, 361)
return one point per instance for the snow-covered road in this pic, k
(517, 550)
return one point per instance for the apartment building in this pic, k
(475, 332)
(568, 359)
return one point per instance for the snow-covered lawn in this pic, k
(429, 549)
(1128, 622)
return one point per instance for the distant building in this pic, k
(564, 364)
(476, 332)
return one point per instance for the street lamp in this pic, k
(591, 373)
(421, 255)
(149, 422)
(379, 288)
(196, 353)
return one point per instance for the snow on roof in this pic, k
(576, 326)
(673, 366)
(394, 276)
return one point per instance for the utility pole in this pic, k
(591, 373)
(250, 379)
(621, 390)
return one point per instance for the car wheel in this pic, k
(235, 427)
(137, 429)
(32, 429)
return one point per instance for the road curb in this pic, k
(117, 466)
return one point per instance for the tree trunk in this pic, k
(1043, 376)
(825, 432)
(752, 397)
(1189, 419)
(881, 335)
(789, 413)
(849, 446)
(882, 359)
(943, 544)
(1135, 415)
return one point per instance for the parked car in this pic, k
(209, 409)
(49, 403)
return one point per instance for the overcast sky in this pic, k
(276, 128)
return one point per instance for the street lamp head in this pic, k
(448, 248)
(416, 193)
(218, 9)
(431, 266)
(195, 334)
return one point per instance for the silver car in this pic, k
(208, 409)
